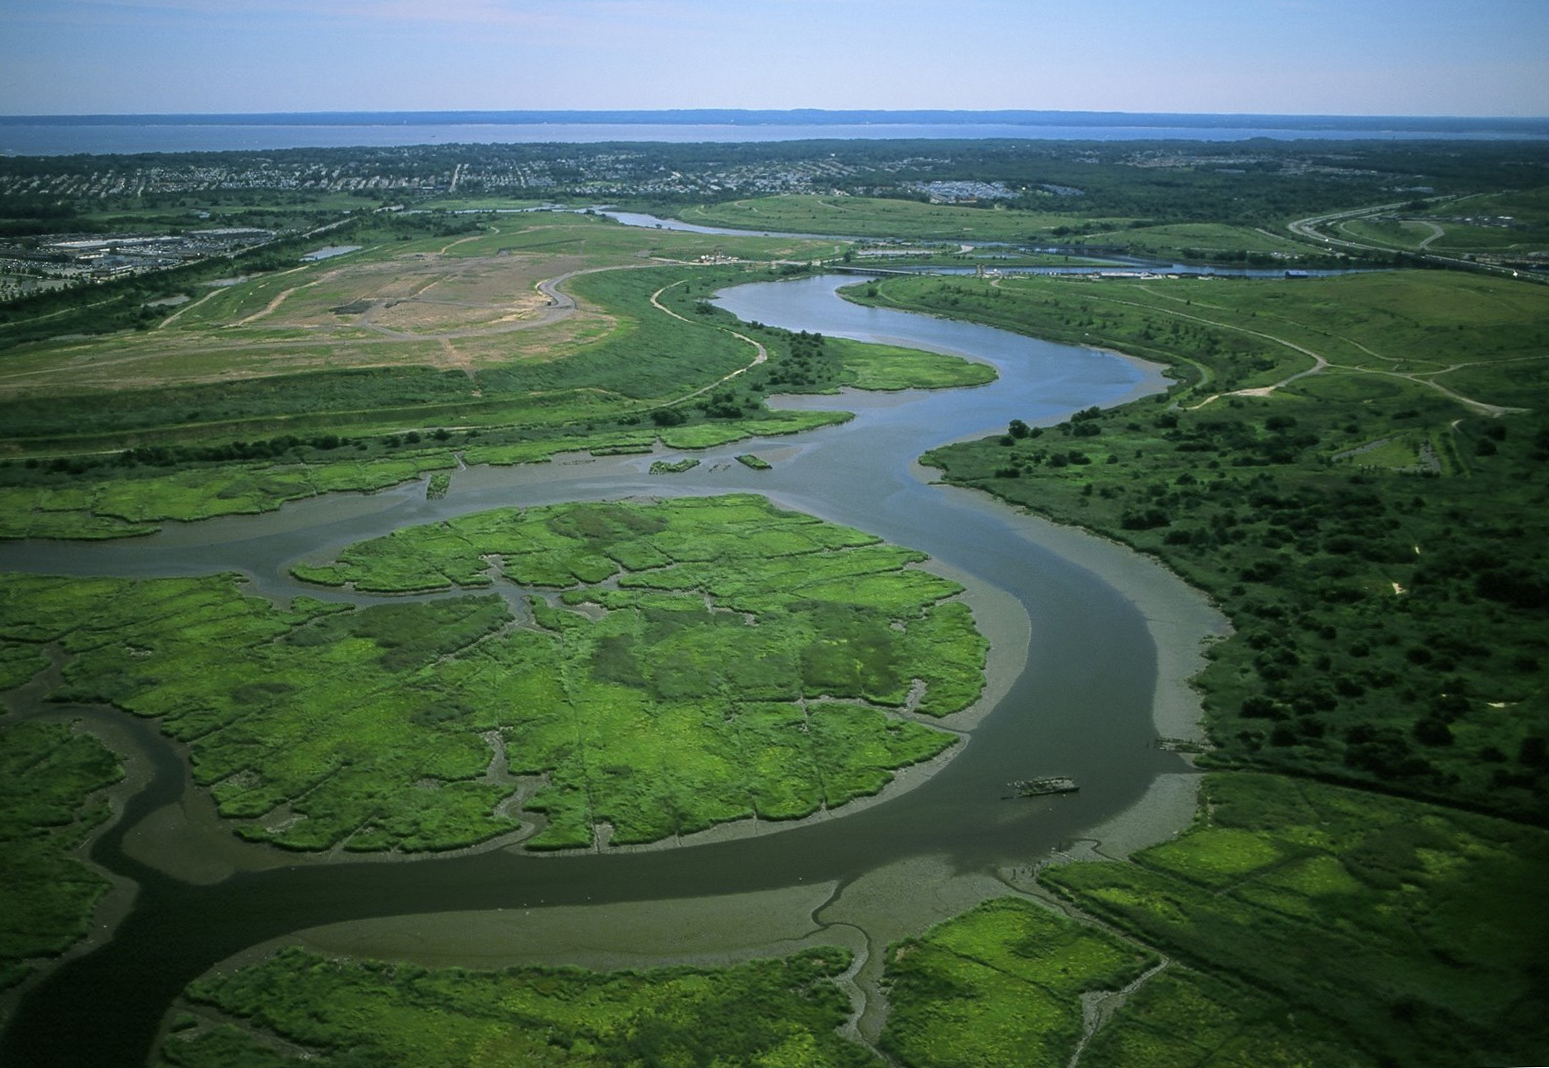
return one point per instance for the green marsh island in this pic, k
(677, 665)
(465, 565)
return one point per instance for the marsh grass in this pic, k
(1182, 1016)
(1000, 985)
(128, 506)
(674, 467)
(1429, 913)
(48, 774)
(888, 367)
(333, 1012)
(692, 662)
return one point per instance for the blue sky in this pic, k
(1390, 57)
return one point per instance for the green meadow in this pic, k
(1377, 331)
(1514, 224)
(1399, 233)
(128, 497)
(673, 666)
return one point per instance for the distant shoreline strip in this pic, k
(1440, 125)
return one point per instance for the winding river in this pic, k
(1081, 703)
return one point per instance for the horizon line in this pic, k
(762, 116)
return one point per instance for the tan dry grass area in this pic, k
(417, 310)
(421, 293)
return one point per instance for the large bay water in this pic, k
(1080, 705)
(38, 136)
